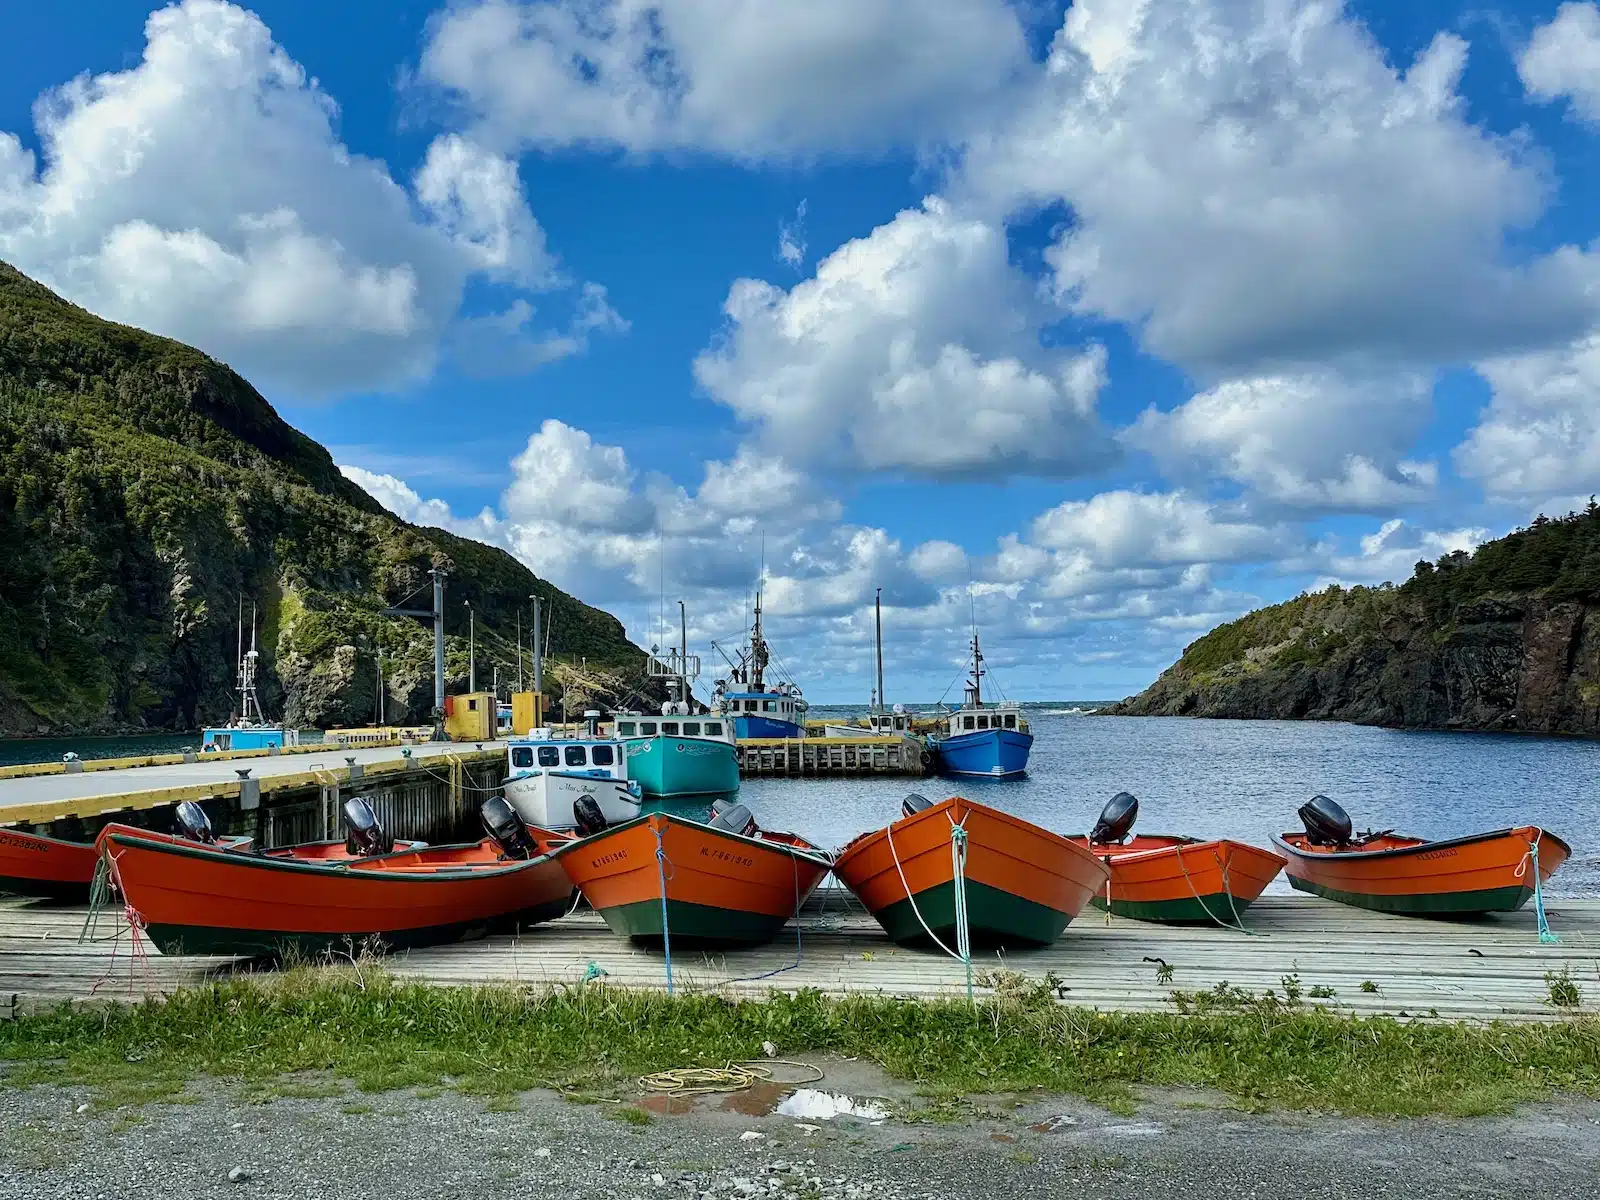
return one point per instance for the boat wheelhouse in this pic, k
(990, 741)
(672, 754)
(756, 709)
(546, 776)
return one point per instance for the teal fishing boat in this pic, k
(677, 753)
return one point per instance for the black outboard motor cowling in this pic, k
(1326, 823)
(735, 818)
(501, 822)
(588, 816)
(913, 804)
(364, 836)
(1116, 819)
(193, 823)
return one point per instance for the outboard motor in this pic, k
(735, 818)
(500, 821)
(364, 836)
(720, 804)
(1116, 819)
(913, 804)
(588, 816)
(1326, 823)
(194, 824)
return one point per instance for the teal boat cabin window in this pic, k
(691, 729)
(522, 756)
(625, 728)
(713, 728)
(576, 757)
(669, 728)
(601, 756)
(549, 756)
(647, 728)
(770, 705)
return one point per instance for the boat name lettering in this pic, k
(724, 856)
(616, 856)
(1432, 854)
(24, 844)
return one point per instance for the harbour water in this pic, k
(15, 751)
(1242, 779)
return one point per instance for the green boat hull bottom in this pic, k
(1438, 904)
(994, 918)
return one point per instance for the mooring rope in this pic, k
(666, 935)
(1546, 934)
(958, 883)
(1227, 888)
(794, 863)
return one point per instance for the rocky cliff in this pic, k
(1507, 638)
(147, 490)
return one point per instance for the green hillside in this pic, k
(146, 488)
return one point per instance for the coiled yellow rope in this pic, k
(735, 1077)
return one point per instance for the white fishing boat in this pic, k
(546, 776)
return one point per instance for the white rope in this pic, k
(958, 881)
(1227, 889)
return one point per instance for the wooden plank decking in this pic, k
(1494, 968)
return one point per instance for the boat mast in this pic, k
(683, 658)
(878, 618)
(758, 651)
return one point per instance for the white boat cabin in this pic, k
(603, 758)
(972, 720)
(632, 725)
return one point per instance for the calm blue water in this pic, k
(44, 750)
(1245, 779)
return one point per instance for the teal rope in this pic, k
(1546, 934)
(666, 936)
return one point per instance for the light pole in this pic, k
(472, 648)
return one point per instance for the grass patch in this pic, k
(596, 1040)
(629, 1114)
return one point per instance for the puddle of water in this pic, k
(757, 1100)
(1133, 1130)
(1055, 1124)
(812, 1105)
(674, 1106)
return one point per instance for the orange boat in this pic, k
(1023, 883)
(32, 864)
(1465, 876)
(196, 899)
(1171, 879)
(723, 881)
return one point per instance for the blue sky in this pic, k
(1110, 321)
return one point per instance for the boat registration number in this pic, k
(1429, 855)
(723, 856)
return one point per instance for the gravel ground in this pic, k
(56, 1142)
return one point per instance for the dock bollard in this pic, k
(353, 766)
(249, 790)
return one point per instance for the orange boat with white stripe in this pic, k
(1023, 884)
(1464, 876)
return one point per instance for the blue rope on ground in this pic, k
(798, 949)
(666, 936)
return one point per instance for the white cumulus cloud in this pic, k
(1563, 59)
(204, 193)
(1252, 184)
(743, 78)
(912, 350)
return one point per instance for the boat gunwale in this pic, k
(325, 867)
(1180, 842)
(817, 855)
(861, 840)
(1422, 847)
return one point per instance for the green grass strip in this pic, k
(382, 1033)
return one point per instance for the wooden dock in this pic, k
(1495, 968)
(821, 756)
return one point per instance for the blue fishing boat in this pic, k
(756, 709)
(249, 729)
(985, 741)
